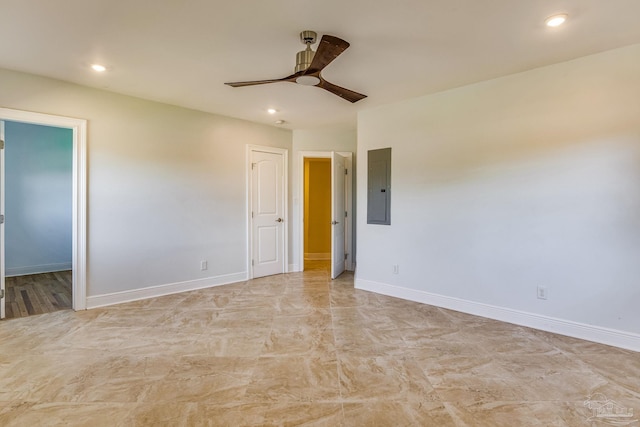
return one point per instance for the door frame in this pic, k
(79, 199)
(285, 204)
(299, 214)
(339, 214)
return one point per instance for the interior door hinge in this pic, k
(345, 255)
(346, 171)
(1, 219)
(253, 165)
(252, 263)
(1, 293)
(251, 214)
(345, 214)
(1, 144)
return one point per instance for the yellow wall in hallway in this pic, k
(317, 208)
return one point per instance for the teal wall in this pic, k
(38, 198)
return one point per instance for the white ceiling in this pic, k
(181, 52)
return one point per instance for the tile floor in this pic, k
(299, 349)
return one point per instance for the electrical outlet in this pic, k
(396, 269)
(204, 265)
(543, 292)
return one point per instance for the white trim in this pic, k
(317, 256)
(299, 206)
(2, 266)
(285, 202)
(38, 269)
(293, 267)
(79, 227)
(569, 328)
(95, 301)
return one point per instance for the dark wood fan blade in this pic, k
(253, 83)
(329, 48)
(291, 78)
(343, 93)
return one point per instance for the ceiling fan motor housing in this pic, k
(305, 57)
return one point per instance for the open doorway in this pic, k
(317, 213)
(42, 213)
(38, 178)
(325, 216)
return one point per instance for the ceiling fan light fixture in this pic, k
(556, 20)
(308, 80)
(309, 65)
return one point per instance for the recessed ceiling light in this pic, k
(99, 68)
(272, 110)
(556, 20)
(280, 122)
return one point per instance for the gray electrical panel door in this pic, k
(379, 187)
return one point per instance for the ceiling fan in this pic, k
(309, 65)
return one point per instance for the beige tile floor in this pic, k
(298, 349)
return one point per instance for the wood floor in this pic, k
(38, 294)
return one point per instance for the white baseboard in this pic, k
(317, 256)
(37, 269)
(293, 268)
(160, 290)
(569, 328)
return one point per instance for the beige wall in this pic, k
(166, 184)
(523, 181)
(317, 218)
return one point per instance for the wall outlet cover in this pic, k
(542, 292)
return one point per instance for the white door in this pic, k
(337, 214)
(267, 211)
(2, 290)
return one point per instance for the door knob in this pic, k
(279, 220)
(335, 222)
